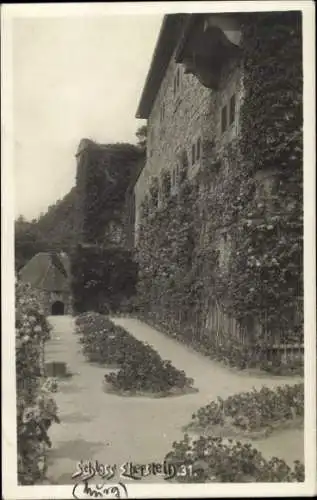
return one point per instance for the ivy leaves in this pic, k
(262, 216)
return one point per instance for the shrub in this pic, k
(103, 341)
(144, 370)
(102, 277)
(227, 460)
(36, 409)
(253, 410)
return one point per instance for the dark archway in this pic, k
(58, 308)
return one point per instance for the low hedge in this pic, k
(211, 459)
(144, 370)
(141, 367)
(102, 341)
(252, 412)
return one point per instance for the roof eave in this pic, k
(163, 51)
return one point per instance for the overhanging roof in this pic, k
(41, 272)
(168, 38)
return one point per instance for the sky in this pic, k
(73, 77)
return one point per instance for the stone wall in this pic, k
(179, 119)
(49, 298)
(115, 166)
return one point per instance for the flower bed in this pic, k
(226, 460)
(102, 341)
(142, 370)
(36, 409)
(252, 414)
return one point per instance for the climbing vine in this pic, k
(103, 271)
(251, 193)
(103, 183)
(103, 278)
(36, 408)
(265, 270)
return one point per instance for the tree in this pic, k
(141, 134)
(28, 242)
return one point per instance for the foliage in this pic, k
(144, 370)
(141, 134)
(226, 460)
(230, 351)
(251, 192)
(103, 177)
(56, 230)
(58, 225)
(102, 277)
(141, 367)
(95, 200)
(36, 409)
(265, 270)
(103, 341)
(28, 241)
(253, 410)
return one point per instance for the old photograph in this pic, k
(161, 179)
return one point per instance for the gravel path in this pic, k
(114, 429)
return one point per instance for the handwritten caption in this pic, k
(83, 489)
(129, 470)
(95, 470)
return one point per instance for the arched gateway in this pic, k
(58, 308)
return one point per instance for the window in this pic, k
(198, 149)
(177, 171)
(173, 177)
(162, 114)
(150, 142)
(232, 109)
(224, 248)
(224, 119)
(193, 154)
(177, 82)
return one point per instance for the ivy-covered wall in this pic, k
(231, 239)
(104, 173)
(102, 264)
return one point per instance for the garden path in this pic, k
(114, 429)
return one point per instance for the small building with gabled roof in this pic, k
(49, 272)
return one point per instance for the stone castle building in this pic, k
(49, 274)
(192, 95)
(116, 214)
(192, 101)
